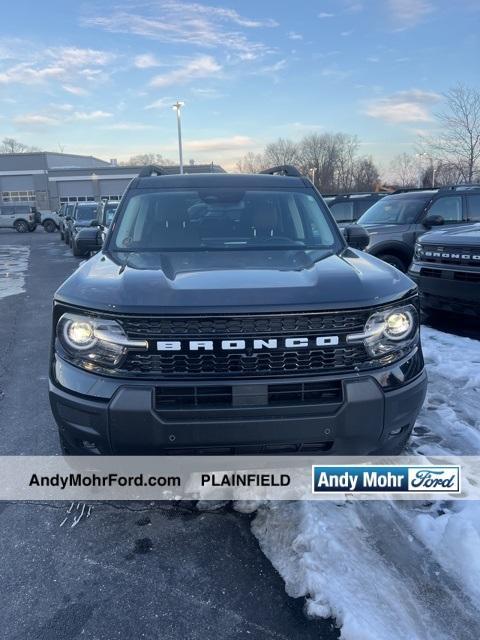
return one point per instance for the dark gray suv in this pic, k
(397, 221)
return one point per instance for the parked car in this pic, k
(85, 242)
(65, 211)
(18, 217)
(446, 267)
(49, 220)
(82, 216)
(397, 221)
(348, 207)
(228, 314)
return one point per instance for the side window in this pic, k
(449, 207)
(473, 208)
(342, 211)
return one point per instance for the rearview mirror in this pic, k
(433, 221)
(356, 236)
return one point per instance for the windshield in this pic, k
(393, 210)
(222, 219)
(108, 213)
(87, 212)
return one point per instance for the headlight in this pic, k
(390, 330)
(87, 341)
(418, 251)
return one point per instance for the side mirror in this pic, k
(433, 221)
(356, 236)
(88, 240)
(68, 217)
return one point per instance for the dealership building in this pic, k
(47, 179)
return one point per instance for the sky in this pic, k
(100, 77)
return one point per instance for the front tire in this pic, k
(395, 261)
(49, 226)
(21, 226)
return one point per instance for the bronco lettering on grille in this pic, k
(243, 345)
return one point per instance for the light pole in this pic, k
(177, 107)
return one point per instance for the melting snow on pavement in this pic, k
(13, 266)
(394, 570)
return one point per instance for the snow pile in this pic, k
(402, 570)
(13, 265)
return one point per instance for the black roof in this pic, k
(202, 180)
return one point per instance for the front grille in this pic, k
(462, 276)
(451, 255)
(257, 364)
(219, 397)
(218, 363)
(255, 325)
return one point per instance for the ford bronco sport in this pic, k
(228, 314)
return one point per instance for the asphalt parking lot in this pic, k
(137, 570)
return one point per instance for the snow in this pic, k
(393, 570)
(13, 266)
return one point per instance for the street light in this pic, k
(177, 107)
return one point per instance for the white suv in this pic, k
(21, 218)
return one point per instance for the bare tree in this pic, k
(366, 175)
(149, 158)
(404, 170)
(458, 144)
(282, 152)
(10, 145)
(251, 163)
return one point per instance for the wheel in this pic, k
(396, 262)
(49, 226)
(21, 226)
(76, 252)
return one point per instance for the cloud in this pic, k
(272, 70)
(201, 67)
(146, 61)
(36, 120)
(161, 103)
(127, 126)
(404, 106)
(91, 115)
(77, 57)
(408, 13)
(74, 90)
(24, 73)
(292, 35)
(172, 21)
(345, 34)
(220, 144)
(324, 14)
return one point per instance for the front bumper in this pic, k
(372, 413)
(447, 288)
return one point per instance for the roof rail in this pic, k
(151, 170)
(407, 189)
(283, 170)
(454, 187)
(354, 194)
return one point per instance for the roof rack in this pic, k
(407, 189)
(454, 187)
(283, 170)
(151, 170)
(355, 194)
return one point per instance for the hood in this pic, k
(467, 235)
(232, 281)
